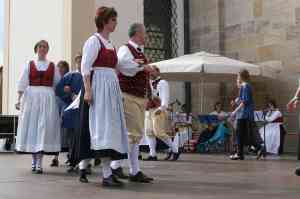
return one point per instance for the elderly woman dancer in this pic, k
(39, 123)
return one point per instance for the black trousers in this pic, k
(247, 134)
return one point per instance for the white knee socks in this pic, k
(116, 164)
(133, 156)
(152, 145)
(106, 170)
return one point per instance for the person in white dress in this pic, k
(271, 131)
(39, 122)
(108, 133)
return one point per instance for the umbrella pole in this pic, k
(202, 95)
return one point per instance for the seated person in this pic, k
(211, 128)
(273, 131)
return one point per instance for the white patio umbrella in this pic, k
(205, 67)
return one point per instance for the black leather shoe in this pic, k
(236, 157)
(97, 162)
(140, 177)
(169, 155)
(33, 168)
(39, 171)
(151, 158)
(83, 177)
(140, 157)
(111, 181)
(54, 163)
(119, 173)
(260, 154)
(297, 172)
(175, 156)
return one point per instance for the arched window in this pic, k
(160, 19)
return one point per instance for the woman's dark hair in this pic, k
(40, 43)
(273, 103)
(217, 104)
(65, 65)
(244, 75)
(103, 15)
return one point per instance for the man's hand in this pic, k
(158, 112)
(148, 69)
(139, 61)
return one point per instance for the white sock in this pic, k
(175, 144)
(106, 170)
(133, 155)
(116, 164)
(39, 160)
(83, 164)
(152, 145)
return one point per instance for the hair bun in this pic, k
(101, 11)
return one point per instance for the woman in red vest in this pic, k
(108, 133)
(39, 124)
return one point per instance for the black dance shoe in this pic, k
(83, 177)
(97, 162)
(119, 173)
(140, 157)
(39, 170)
(151, 158)
(112, 181)
(175, 156)
(236, 157)
(297, 172)
(140, 177)
(169, 155)
(54, 163)
(260, 153)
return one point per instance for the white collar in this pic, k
(102, 38)
(135, 45)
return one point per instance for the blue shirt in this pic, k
(75, 81)
(246, 112)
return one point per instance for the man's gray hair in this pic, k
(134, 28)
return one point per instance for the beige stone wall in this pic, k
(253, 31)
(204, 25)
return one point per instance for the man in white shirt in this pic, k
(157, 124)
(134, 79)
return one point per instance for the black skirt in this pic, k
(81, 143)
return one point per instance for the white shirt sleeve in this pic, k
(164, 93)
(90, 52)
(23, 82)
(273, 116)
(126, 64)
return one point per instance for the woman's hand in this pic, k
(291, 106)
(88, 97)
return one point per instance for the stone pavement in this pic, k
(194, 176)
